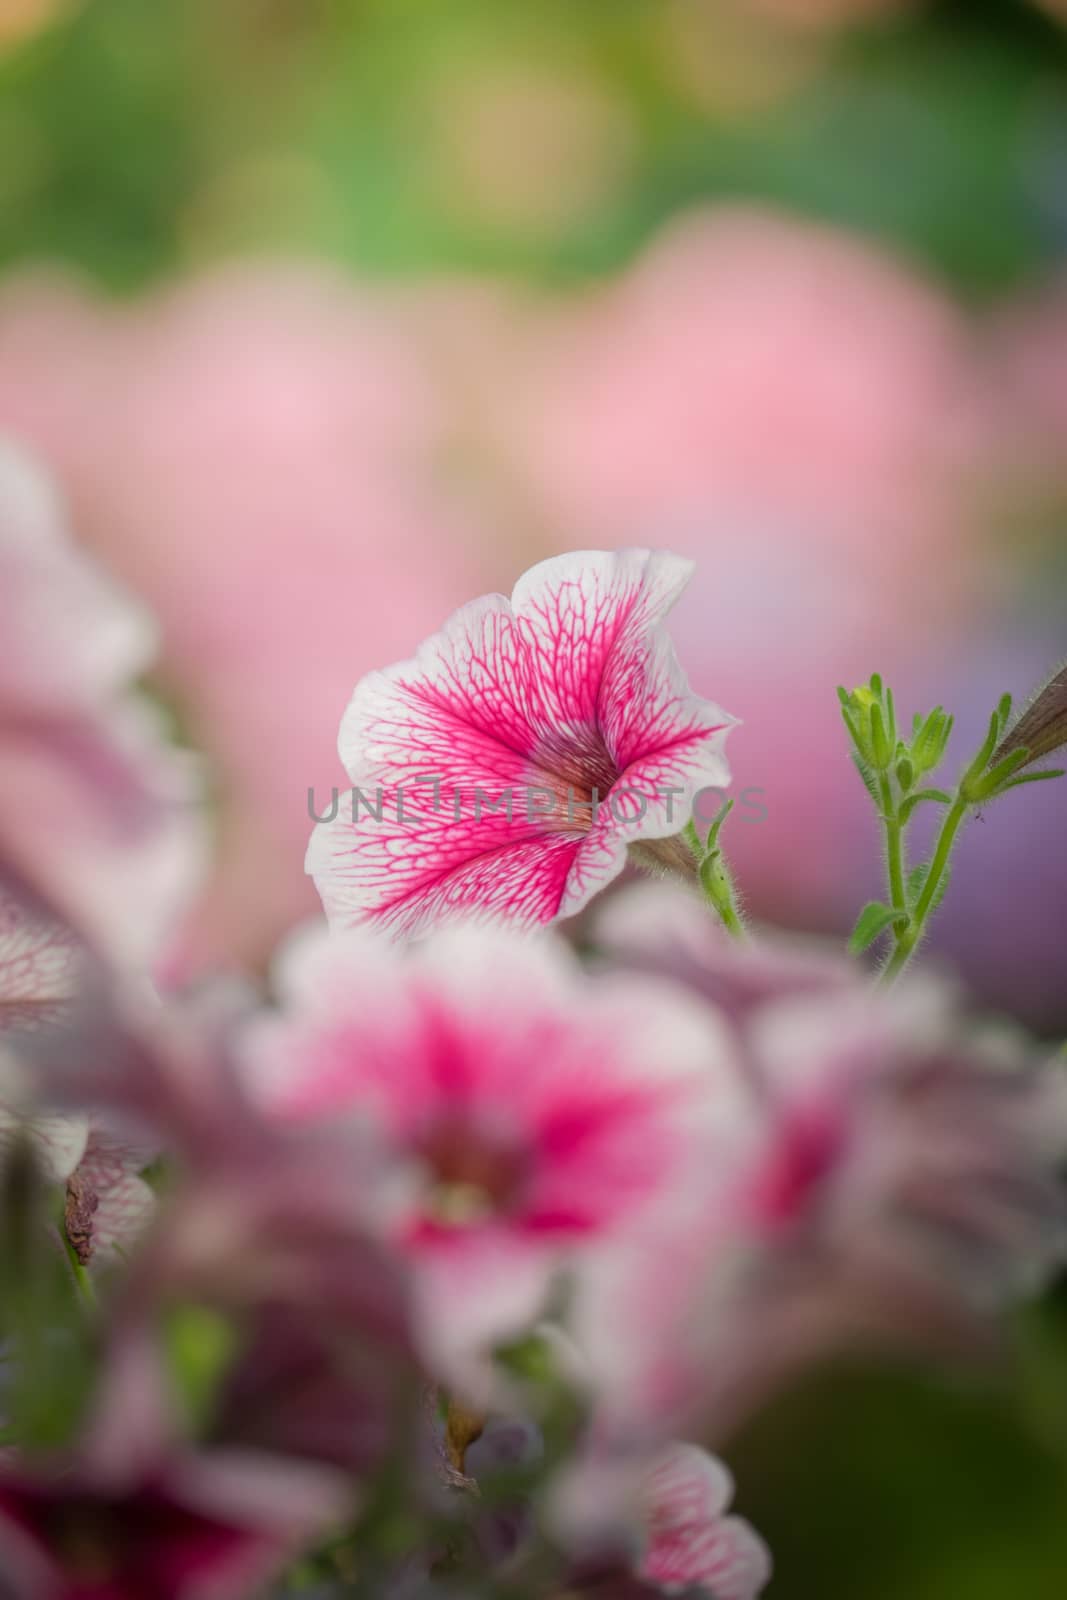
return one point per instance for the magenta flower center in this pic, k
(473, 1176)
(579, 769)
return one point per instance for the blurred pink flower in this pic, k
(256, 454)
(640, 1518)
(532, 1113)
(566, 707)
(691, 1542)
(896, 1179)
(43, 969)
(805, 418)
(1026, 351)
(96, 811)
(269, 1231)
(206, 1527)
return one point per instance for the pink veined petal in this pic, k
(111, 1170)
(585, 618)
(58, 1141)
(408, 878)
(458, 707)
(690, 1541)
(726, 1556)
(686, 1484)
(39, 964)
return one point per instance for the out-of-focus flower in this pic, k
(94, 808)
(255, 452)
(648, 1520)
(203, 1527)
(268, 1232)
(897, 1181)
(515, 759)
(43, 967)
(691, 1542)
(535, 1115)
(805, 419)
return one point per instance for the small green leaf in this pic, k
(978, 766)
(937, 795)
(1035, 777)
(868, 777)
(916, 879)
(872, 920)
(880, 744)
(713, 834)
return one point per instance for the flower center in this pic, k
(472, 1177)
(580, 771)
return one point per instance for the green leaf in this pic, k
(970, 778)
(1034, 777)
(713, 834)
(936, 795)
(868, 777)
(916, 879)
(872, 920)
(880, 744)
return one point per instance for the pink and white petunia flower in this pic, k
(532, 1114)
(96, 813)
(691, 1541)
(504, 772)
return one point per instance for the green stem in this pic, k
(909, 940)
(894, 852)
(82, 1280)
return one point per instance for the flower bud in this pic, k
(1042, 728)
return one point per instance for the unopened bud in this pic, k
(1042, 728)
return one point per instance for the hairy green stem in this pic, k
(894, 853)
(908, 941)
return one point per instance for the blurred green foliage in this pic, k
(401, 134)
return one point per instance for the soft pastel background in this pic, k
(330, 314)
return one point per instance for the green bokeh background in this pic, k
(139, 138)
